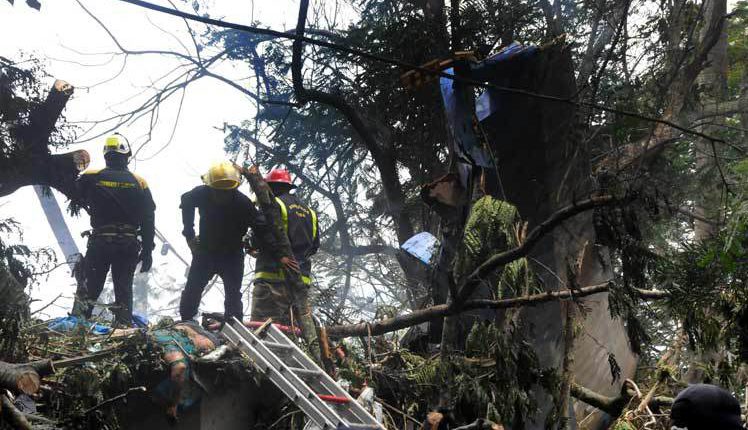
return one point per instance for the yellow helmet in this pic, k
(222, 176)
(117, 143)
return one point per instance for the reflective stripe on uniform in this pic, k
(284, 217)
(280, 276)
(284, 213)
(314, 223)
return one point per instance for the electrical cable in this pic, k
(406, 65)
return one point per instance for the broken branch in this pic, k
(114, 399)
(545, 227)
(614, 406)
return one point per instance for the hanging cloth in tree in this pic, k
(460, 112)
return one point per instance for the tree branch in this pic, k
(375, 139)
(614, 406)
(498, 260)
(34, 164)
(14, 417)
(416, 317)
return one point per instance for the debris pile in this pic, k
(81, 374)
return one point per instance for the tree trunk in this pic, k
(713, 83)
(543, 165)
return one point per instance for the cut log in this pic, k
(269, 207)
(26, 377)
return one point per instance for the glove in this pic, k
(146, 260)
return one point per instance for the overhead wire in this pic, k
(400, 63)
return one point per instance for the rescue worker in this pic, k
(272, 296)
(121, 207)
(225, 216)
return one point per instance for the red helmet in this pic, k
(279, 176)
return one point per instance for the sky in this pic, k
(63, 36)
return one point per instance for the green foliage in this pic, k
(492, 380)
(737, 48)
(493, 227)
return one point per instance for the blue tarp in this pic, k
(70, 323)
(139, 321)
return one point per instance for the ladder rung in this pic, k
(334, 399)
(304, 372)
(281, 327)
(276, 345)
(364, 427)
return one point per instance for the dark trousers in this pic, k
(105, 252)
(205, 265)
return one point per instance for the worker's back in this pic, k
(301, 226)
(225, 216)
(115, 196)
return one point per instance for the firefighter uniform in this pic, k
(225, 216)
(271, 296)
(121, 208)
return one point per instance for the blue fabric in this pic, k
(190, 395)
(460, 119)
(514, 51)
(168, 339)
(70, 323)
(139, 321)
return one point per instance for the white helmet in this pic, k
(117, 143)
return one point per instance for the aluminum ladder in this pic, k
(318, 396)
